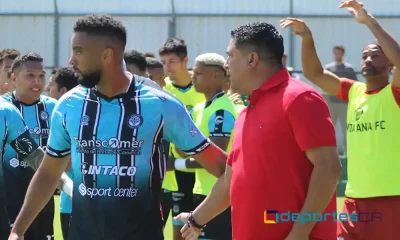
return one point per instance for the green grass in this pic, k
(167, 231)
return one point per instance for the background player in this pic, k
(7, 56)
(372, 122)
(61, 81)
(135, 62)
(121, 203)
(14, 132)
(216, 119)
(178, 82)
(28, 76)
(155, 71)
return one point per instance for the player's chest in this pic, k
(37, 119)
(131, 122)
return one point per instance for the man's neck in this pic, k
(376, 83)
(23, 98)
(211, 94)
(339, 62)
(113, 84)
(259, 78)
(183, 80)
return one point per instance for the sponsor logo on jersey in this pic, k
(107, 192)
(85, 120)
(17, 163)
(135, 121)
(109, 146)
(107, 170)
(44, 115)
(37, 132)
(219, 120)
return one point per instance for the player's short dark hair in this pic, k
(339, 47)
(149, 54)
(8, 53)
(102, 25)
(174, 46)
(262, 38)
(29, 57)
(136, 58)
(65, 77)
(153, 63)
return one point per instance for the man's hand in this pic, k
(14, 236)
(188, 233)
(356, 9)
(236, 98)
(299, 26)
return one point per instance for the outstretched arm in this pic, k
(390, 46)
(312, 67)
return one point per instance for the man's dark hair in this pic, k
(22, 59)
(136, 58)
(174, 46)
(149, 54)
(8, 53)
(262, 38)
(102, 25)
(339, 47)
(65, 77)
(153, 63)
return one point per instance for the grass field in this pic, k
(168, 229)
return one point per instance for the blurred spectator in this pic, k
(337, 107)
(135, 62)
(7, 56)
(156, 71)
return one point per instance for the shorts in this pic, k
(166, 204)
(377, 219)
(220, 228)
(65, 218)
(182, 200)
(42, 227)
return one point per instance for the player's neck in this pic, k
(260, 76)
(183, 80)
(24, 98)
(376, 84)
(211, 94)
(114, 84)
(339, 62)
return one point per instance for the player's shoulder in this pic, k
(48, 100)
(299, 90)
(8, 96)
(73, 96)
(7, 108)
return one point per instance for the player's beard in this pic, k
(370, 71)
(89, 80)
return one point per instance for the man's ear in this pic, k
(63, 90)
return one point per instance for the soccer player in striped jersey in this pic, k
(174, 59)
(61, 81)
(13, 131)
(112, 126)
(28, 76)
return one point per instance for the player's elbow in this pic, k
(220, 168)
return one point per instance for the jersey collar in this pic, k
(130, 91)
(218, 95)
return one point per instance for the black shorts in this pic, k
(42, 227)
(65, 218)
(166, 204)
(182, 200)
(220, 228)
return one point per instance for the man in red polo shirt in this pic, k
(283, 156)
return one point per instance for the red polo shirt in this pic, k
(270, 170)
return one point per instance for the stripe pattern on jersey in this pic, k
(219, 124)
(127, 131)
(91, 110)
(42, 117)
(158, 161)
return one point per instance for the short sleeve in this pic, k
(180, 129)
(18, 135)
(345, 85)
(310, 120)
(221, 123)
(59, 143)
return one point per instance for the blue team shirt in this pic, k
(17, 173)
(117, 157)
(12, 130)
